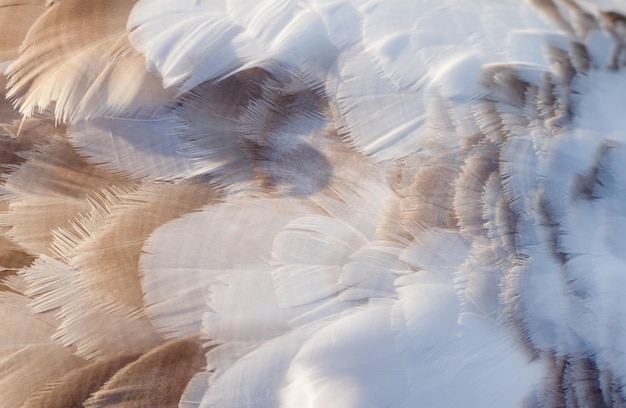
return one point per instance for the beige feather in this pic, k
(72, 389)
(78, 55)
(157, 379)
(91, 329)
(23, 372)
(28, 359)
(16, 18)
(426, 191)
(99, 269)
(106, 257)
(50, 188)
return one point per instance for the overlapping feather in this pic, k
(321, 202)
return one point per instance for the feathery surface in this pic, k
(236, 203)
(16, 19)
(72, 389)
(78, 56)
(156, 379)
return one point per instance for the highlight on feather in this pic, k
(230, 203)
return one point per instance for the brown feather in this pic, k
(16, 18)
(71, 390)
(157, 379)
(78, 55)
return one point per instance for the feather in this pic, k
(49, 188)
(16, 18)
(81, 63)
(286, 203)
(134, 148)
(21, 351)
(143, 383)
(8, 114)
(72, 389)
(230, 38)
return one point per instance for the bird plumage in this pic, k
(312, 203)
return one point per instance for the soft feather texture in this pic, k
(77, 55)
(16, 19)
(321, 203)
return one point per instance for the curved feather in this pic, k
(82, 64)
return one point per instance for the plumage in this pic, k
(321, 203)
(77, 55)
